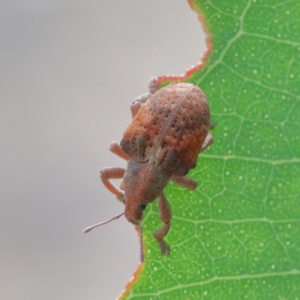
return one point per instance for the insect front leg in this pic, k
(165, 216)
(185, 182)
(139, 101)
(112, 173)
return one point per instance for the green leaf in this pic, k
(238, 235)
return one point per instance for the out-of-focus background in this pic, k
(68, 73)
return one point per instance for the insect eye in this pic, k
(141, 207)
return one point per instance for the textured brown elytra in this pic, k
(172, 126)
(168, 131)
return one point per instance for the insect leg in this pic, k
(185, 182)
(112, 173)
(212, 125)
(207, 142)
(152, 85)
(117, 149)
(139, 101)
(165, 216)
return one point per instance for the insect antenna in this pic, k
(141, 241)
(88, 229)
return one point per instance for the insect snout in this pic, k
(133, 221)
(135, 215)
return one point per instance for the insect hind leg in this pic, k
(207, 142)
(139, 101)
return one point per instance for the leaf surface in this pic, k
(238, 235)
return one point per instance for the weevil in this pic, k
(168, 131)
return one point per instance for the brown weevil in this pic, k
(168, 131)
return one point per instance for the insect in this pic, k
(169, 129)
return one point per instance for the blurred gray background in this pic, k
(69, 71)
